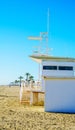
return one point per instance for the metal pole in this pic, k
(47, 32)
(48, 21)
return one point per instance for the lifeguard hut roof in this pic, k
(40, 58)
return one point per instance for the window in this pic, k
(69, 68)
(65, 68)
(50, 67)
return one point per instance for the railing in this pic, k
(32, 86)
(25, 86)
(21, 92)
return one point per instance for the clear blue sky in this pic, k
(22, 18)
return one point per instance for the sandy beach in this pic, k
(16, 116)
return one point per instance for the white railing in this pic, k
(31, 86)
(25, 86)
(21, 92)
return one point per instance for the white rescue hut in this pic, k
(58, 82)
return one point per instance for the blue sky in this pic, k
(22, 18)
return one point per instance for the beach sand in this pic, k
(16, 116)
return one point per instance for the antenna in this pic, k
(48, 22)
(37, 38)
(43, 38)
(47, 40)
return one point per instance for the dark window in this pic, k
(65, 68)
(50, 67)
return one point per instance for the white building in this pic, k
(58, 82)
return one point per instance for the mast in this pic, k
(47, 39)
(43, 48)
(48, 22)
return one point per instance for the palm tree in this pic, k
(20, 80)
(16, 82)
(27, 76)
(31, 78)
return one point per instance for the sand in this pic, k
(16, 116)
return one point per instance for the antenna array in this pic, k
(43, 48)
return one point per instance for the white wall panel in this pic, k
(60, 95)
(58, 73)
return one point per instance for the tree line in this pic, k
(28, 78)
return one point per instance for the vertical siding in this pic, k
(60, 95)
